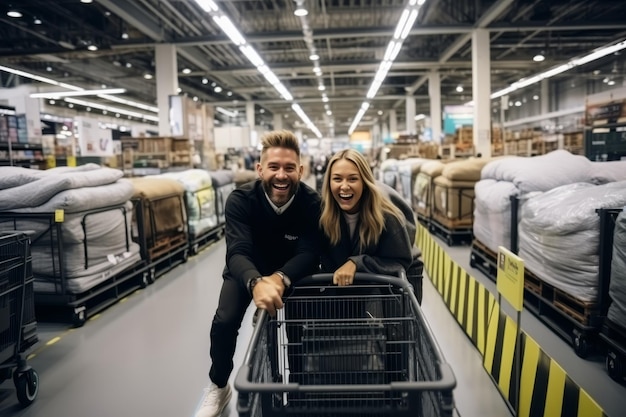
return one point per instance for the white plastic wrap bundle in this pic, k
(522, 177)
(617, 286)
(559, 235)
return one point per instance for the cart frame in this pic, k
(345, 363)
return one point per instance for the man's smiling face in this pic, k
(280, 172)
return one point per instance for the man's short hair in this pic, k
(280, 139)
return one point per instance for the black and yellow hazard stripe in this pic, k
(545, 388)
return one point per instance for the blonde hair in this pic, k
(279, 139)
(372, 206)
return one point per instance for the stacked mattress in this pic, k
(92, 203)
(559, 235)
(408, 169)
(617, 286)
(453, 193)
(422, 190)
(161, 202)
(519, 177)
(223, 184)
(200, 200)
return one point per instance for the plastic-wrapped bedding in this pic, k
(224, 184)
(92, 260)
(389, 172)
(165, 203)
(540, 173)
(19, 190)
(521, 177)
(407, 173)
(422, 189)
(610, 171)
(559, 235)
(199, 199)
(617, 286)
(492, 212)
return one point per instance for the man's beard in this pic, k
(279, 200)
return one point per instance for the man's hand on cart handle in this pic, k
(268, 292)
(345, 274)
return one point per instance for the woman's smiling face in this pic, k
(346, 185)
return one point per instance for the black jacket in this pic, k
(260, 242)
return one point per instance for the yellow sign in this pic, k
(510, 279)
(51, 161)
(71, 161)
(59, 216)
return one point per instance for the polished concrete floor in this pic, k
(148, 355)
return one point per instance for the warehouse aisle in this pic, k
(148, 355)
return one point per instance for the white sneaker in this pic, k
(214, 401)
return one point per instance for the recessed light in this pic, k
(86, 1)
(124, 35)
(37, 21)
(539, 58)
(218, 89)
(14, 13)
(186, 71)
(314, 57)
(92, 47)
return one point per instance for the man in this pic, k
(272, 239)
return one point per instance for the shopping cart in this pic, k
(17, 315)
(361, 350)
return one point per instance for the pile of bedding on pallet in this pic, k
(223, 184)
(559, 235)
(160, 202)
(422, 190)
(408, 169)
(617, 286)
(200, 199)
(520, 177)
(95, 226)
(453, 192)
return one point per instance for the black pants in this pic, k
(233, 303)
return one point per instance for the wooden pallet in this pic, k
(167, 244)
(583, 312)
(462, 223)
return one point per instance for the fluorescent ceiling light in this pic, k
(225, 112)
(306, 120)
(111, 109)
(358, 117)
(575, 62)
(246, 49)
(407, 19)
(75, 88)
(59, 94)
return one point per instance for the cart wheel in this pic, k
(194, 249)
(581, 346)
(185, 257)
(614, 366)
(79, 318)
(472, 261)
(450, 241)
(26, 386)
(143, 282)
(152, 275)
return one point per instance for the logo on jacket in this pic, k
(290, 237)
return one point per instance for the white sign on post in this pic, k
(93, 140)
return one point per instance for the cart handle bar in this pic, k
(359, 278)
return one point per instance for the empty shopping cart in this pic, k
(17, 315)
(361, 350)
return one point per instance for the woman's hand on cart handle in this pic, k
(344, 275)
(267, 294)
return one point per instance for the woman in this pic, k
(364, 231)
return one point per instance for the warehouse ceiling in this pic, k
(51, 39)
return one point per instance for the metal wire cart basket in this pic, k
(18, 327)
(361, 350)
